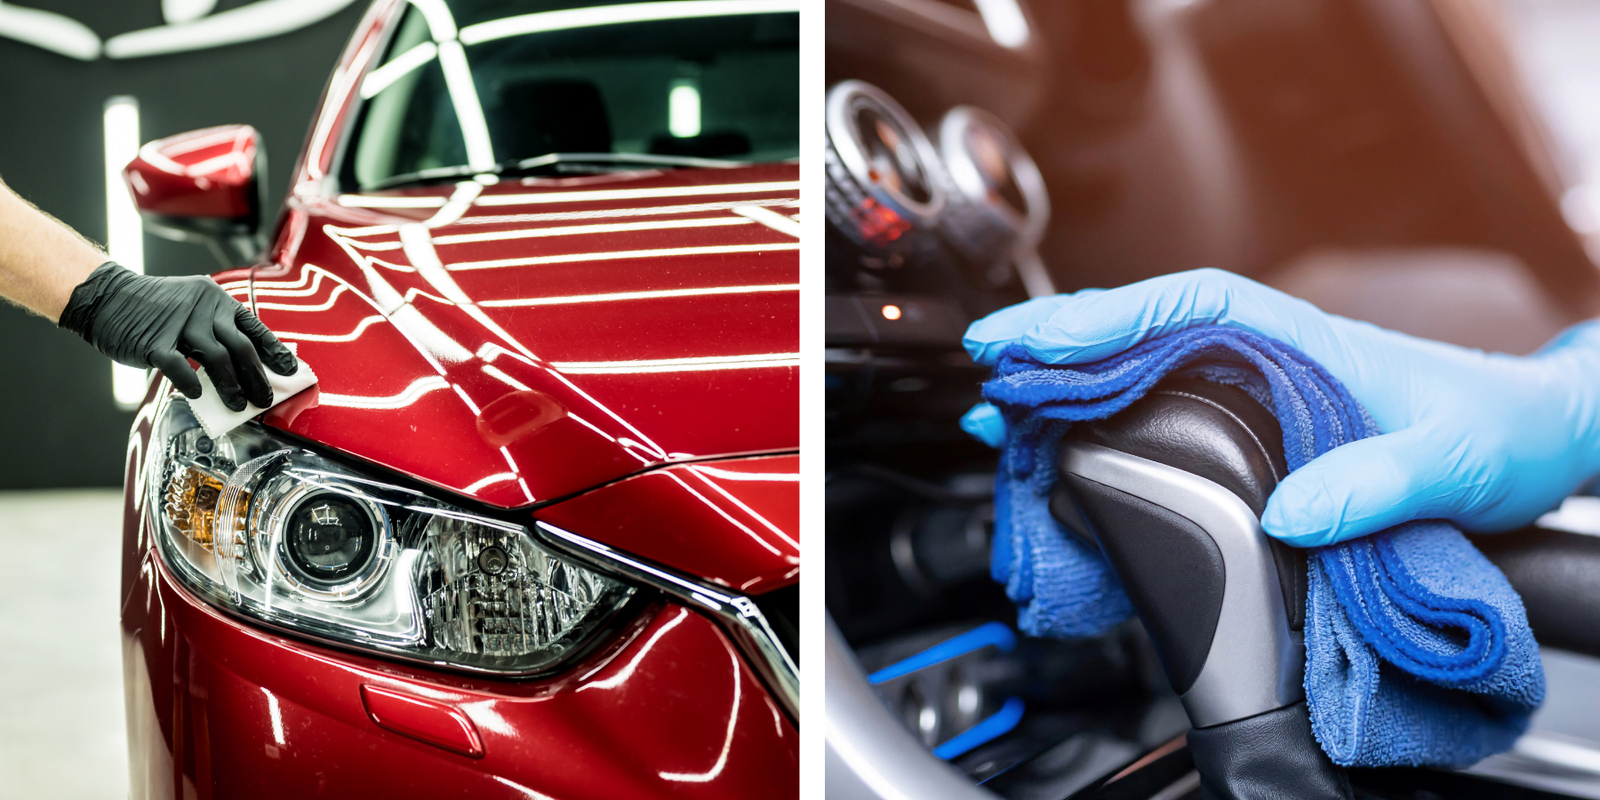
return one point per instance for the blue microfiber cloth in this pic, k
(1417, 649)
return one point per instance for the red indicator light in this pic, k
(891, 312)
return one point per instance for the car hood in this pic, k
(526, 340)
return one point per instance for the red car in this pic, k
(534, 534)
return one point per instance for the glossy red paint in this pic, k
(519, 343)
(217, 709)
(528, 340)
(422, 719)
(207, 173)
(735, 521)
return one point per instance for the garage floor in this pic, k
(61, 717)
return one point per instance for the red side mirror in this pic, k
(203, 186)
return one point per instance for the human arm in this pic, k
(41, 260)
(138, 320)
(1486, 440)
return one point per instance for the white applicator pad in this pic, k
(218, 420)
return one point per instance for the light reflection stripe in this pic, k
(634, 194)
(378, 262)
(771, 219)
(490, 351)
(469, 111)
(413, 293)
(575, 230)
(723, 512)
(359, 245)
(300, 288)
(427, 336)
(499, 375)
(648, 211)
(441, 23)
(653, 295)
(324, 306)
(419, 248)
(381, 201)
(567, 19)
(305, 275)
(527, 793)
(370, 230)
(717, 487)
(343, 286)
(412, 201)
(727, 742)
(338, 93)
(417, 389)
(679, 364)
(621, 677)
(277, 716)
(786, 363)
(735, 475)
(221, 136)
(402, 65)
(217, 163)
(624, 254)
(591, 426)
(486, 321)
(353, 335)
(460, 202)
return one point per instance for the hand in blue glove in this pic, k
(1485, 440)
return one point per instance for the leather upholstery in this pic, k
(1269, 756)
(1217, 432)
(1214, 431)
(1558, 575)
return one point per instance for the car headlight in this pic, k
(264, 527)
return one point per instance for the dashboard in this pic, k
(936, 212)
(982, 152)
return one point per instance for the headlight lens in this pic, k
(330, 539)
(264, 527)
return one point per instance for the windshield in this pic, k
(469, 86)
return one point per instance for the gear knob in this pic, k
(1171, 491)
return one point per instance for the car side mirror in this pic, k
(205, 186)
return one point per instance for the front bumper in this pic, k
(219, 708)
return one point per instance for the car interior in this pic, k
(1383, 159)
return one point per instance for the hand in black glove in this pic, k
(145, 321)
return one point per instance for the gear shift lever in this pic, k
(1171, 490)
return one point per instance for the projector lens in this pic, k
(329, 538)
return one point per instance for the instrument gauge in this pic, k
(886, 187)
(999, 205)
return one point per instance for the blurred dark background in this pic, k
(59, 426)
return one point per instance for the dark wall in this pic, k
(58, 423)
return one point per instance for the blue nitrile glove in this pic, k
(1486, 440)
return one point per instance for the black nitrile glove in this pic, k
(146, 321)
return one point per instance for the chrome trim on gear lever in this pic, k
(1255, 663)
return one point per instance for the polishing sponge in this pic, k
(217, 419)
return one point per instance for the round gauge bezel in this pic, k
(847, 99)
(967, 178)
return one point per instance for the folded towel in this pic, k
(218, 419)
(1417, 649)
